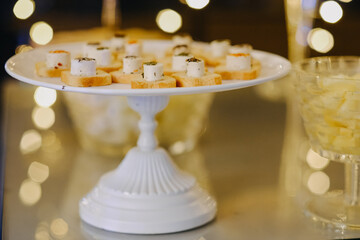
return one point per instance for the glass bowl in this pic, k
(328, 91)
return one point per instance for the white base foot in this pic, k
(147, 194)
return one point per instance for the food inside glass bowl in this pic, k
(330, 107)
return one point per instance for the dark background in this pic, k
(259, 22)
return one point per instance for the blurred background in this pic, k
(47, 168)
(241, 21)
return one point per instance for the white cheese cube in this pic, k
(83, 67)
(195, 67)
(102, 56)
(58, 59)
(132, 64)
(179, 62)
(236, 62)
(219, 48)
(153, 71)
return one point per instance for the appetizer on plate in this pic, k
(84, 74)
(182, 39)
(89, 47)
(178, 64)
(153, 77)
(195, 75)
(117, 45)
(217, 53)
(239, 66)
(103, 58)
(241, 48)
(180, 43)
(134, 48)
(132, 69)
(56, 62)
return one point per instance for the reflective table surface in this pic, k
(238, 159)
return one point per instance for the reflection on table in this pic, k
(237, 160)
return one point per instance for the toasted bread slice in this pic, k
(169, 72)
(213, 61)
(182, 80)
(100, 79)
(166, 82)
(120, 77)
(113, 67)
(43, 71)
(241, 74)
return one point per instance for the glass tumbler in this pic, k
(328, 91)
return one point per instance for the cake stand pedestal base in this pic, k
(147, 193)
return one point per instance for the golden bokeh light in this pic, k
(23, 48)
(30, 192)
(168, 20)
(320, 40)
(23, 9)
(30, 141)
(318, 183)
(178, 148)
(345, 1)
(38, 172)
(316, 161)
(197, 4)
(42, 235)
(42, 231)
(45, 97)
(331, 11)
(59, 228)
(43, 118)
(41, 33)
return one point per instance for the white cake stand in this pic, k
(146, 193)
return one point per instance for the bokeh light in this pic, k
(23, 9)
(197, 4)
(43, 118)
(59, 228)
(331, 11)
(30, 192)
(42, 231)
(38, 172)
(168, 20)
(23, 48)
(41, 33)
(30, 141)
(316, 161)
(320, 40)
(45, 97)
(318, 183)
(178, 148)
(345, 1)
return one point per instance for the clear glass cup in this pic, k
(328, 91)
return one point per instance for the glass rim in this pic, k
(297, 66)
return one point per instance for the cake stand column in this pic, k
(147, 193)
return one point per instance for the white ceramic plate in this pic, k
(22, 67)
